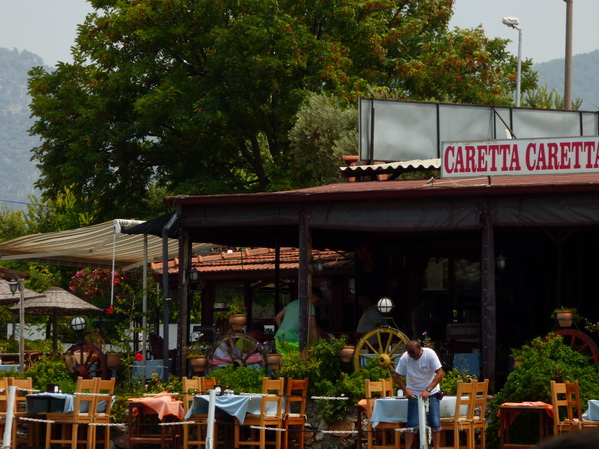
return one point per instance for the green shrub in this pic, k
(351, 386)
(240, 380)
(38, 345)
(51, 370)
(320, 362)
(540, 362)
(449, 383)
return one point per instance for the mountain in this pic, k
(585, 83)
(17, 172)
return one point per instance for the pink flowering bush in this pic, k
(94, 286)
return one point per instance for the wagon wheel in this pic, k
(581, 342)
(88, 361)
(385, 345)
(235, 348)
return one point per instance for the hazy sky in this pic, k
(48, 27)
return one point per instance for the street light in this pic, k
(20, 286)
(513, 22)
(568, 57)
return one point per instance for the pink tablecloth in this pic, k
(163, 404)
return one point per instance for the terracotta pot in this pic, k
(565, 318)
(237, 321)
(198, 363)
(346, 353)
(114, 361)
(274, 361)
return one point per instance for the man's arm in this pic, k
(402, 386)
(279, 317)
(439, 374)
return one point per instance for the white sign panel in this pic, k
(520, 157)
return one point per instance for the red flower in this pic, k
(110, 310)
(139, 357)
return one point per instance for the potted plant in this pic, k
(196, 353)
(273, 359)
(114, 356)
(237, 314)
(347, 352)
(565, 316)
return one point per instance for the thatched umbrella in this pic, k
(57, 302)
(7, 297)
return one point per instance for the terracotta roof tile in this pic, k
(258, 259)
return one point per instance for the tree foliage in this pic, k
(323, 132)
(543, 98)
(199, 96)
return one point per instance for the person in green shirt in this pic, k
(287, 335)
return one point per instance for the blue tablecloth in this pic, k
(50, 403)
(592, 413)
(235, 405)
(396, 409)
(58, 403)
(9, 367)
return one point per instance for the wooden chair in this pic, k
(104, 390)
(463, 417)
(479, 421)
(377, 437)
(388, 387)
(208, 383)
(266, 418)
(3, 403)
(567, 410)
(20, 410)
(191, 387)
(69, 422)
(295, 409)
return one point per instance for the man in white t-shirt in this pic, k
(423, 372)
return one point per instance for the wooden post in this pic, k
(304, 278)
(488, 300)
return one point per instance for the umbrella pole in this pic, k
(22, 324)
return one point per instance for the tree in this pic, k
(542, 98)
(323, 132)
(199, 96)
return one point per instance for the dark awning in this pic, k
(153, 227)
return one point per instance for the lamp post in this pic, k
(568, 57)
(14, 286)
(513, 22)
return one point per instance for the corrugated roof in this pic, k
(495, 185)
(391, 167)
(91, 246)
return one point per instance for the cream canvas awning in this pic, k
(91, 246)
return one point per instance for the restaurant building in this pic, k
(489, 253)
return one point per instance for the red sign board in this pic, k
(521, 157)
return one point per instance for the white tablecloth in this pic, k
(396, 409)
(592, 413)
(235, 405)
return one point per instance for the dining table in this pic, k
(9, 367)
(40, 403)
(592, 411)
(395, 409)
(142, 429)
(236, 405)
